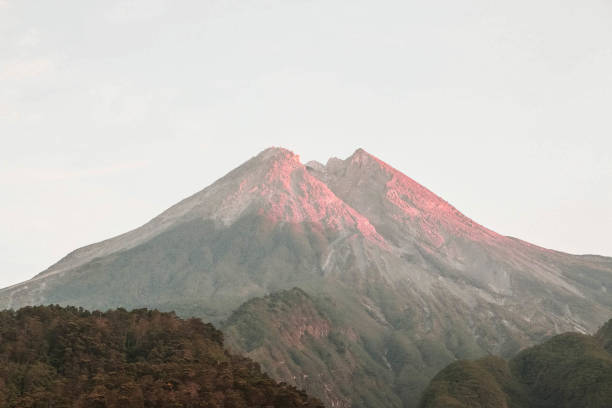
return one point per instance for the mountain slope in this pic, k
(423, 226)
(417, 283)
(55, 357)
(312, 342)
(263, 227)
(569, 370)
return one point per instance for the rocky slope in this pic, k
(569, 370)
(314, 344)
(55, 357)
(406, 281)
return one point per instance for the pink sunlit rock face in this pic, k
(399, 198)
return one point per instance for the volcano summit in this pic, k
(360, 284)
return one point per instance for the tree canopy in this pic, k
(69, 357)
(570, 370)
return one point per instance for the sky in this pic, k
(112, 111)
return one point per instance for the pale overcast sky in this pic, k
(111, 111)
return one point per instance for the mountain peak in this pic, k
(360, 155)
(360, 151)
(276, 185)
(278, 153)
(374, 187)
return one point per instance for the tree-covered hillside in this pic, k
(69, 357)
(570, 370)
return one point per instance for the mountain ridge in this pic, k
(273, 152)
(278, 158)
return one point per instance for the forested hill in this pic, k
(69, 357)
(570, 370)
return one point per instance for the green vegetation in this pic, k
(69, 357)
(568, 371)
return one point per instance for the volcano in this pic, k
(348, 279)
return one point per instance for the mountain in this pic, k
(56, 357)
(394, 283)
(569, 370)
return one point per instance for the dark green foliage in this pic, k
(568, 371)
(69, 357)
(604, 335)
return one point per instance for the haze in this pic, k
(112, 111)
